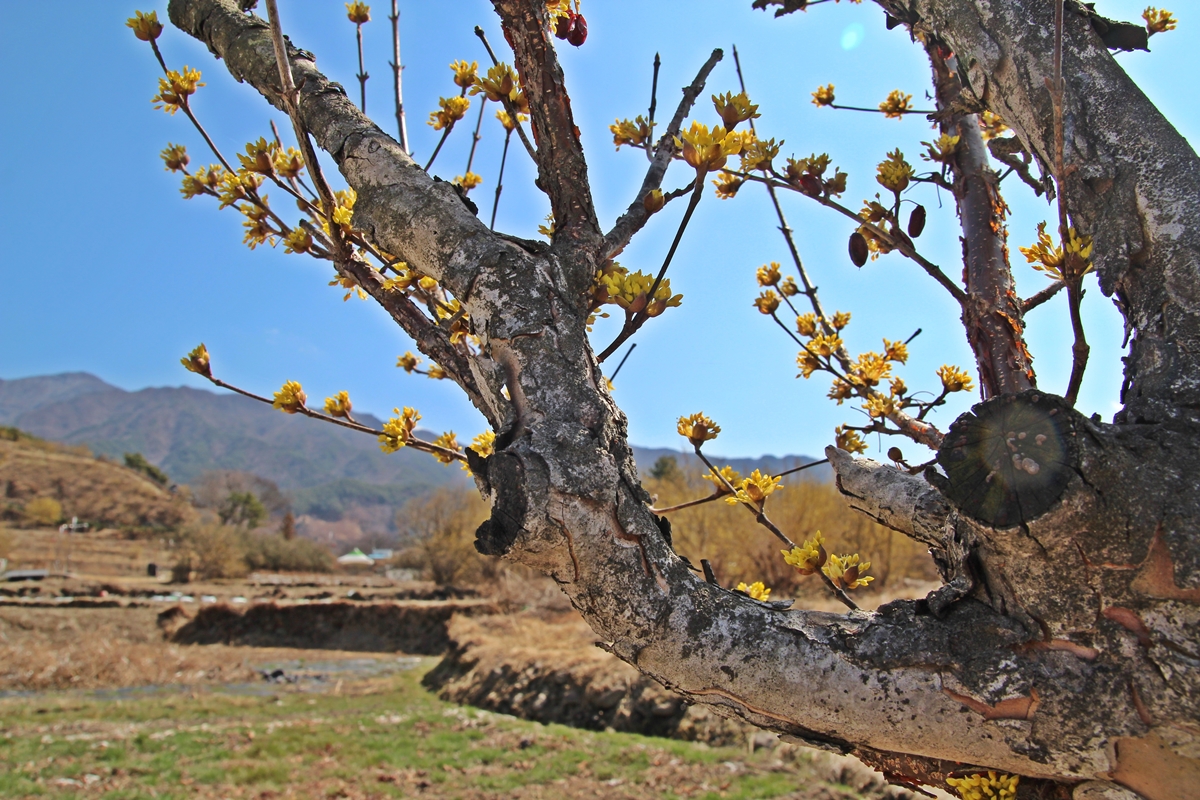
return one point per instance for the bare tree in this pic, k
(1064, 646)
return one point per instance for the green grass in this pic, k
(386, 737)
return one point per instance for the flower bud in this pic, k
(653, 201)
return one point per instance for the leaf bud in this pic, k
(653, 201)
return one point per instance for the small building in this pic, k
(356, 558)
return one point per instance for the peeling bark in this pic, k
(1064, 649)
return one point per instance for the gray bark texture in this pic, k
(1064, 648)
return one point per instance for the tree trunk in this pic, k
(1065, 644)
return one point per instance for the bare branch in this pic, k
(636, 215)
(397, 72)
(1042, 296)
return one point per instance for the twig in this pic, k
(635, 215)
(633, 323)
(628, 353)
(476, 137)
(396, 70)
(653, 106)
(508, 103)
(362, 72)
(445, 133)
(500, 179)
(291, 102)
(879, 110)
(1045, 294)
(721, 492)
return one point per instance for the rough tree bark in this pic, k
(1064, 647)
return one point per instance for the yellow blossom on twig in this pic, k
(940, 149)
(1156, 21)
(894, 173)
(197, 361)
(357, 12)
(823, 96)
(768, 274)
(992, 126)
(339, 405)
(989, 786)
(757, 591)
(848, 440)
(767, 302)
(755, 489)
(727, 185)
(706, 148)
(846, 572)
(174, 90)
(499, 83)
(397, 429)
(468, 181)
(464, 73)
(698, 429)
(507, 121)
(437, 373)
(728, 473)
(896, 104)
(448, 441)
(809, 557)
(175, 157)
(290, 398)
(954, 379)
(297, 241)
(145, 26)
(484, 444)
(1047, 257)
(408, 362)
(451, 110)
(840, 320)
(734, 108)
(634, 133)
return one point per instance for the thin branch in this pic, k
(633, 323)
(653, 106)
(291, 98)
(397, 69)
(1045, 294)
(445, 133)
(721, 492)
(636, 215)
(879, 110)
(362, 72)
(500, 179)
(508, 103)
(476, 137)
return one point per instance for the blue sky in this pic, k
(107, 270)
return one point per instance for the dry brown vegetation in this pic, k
(95, 490)
(742, 550)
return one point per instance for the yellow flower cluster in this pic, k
(734, 109)
(145, 26)
(992, 126)
(236, 186)
(727, 185)
(846, 572)
(698, 429)
(499, 83)
(618, 286)
(507, 121)
(634, 133)
(896, 104)
(768, 274)
(408, 362)
(397, 429)
(436, 372)
(197, 361)
(347, 282)
(174, 90)
(757, 590)
(290, 398)
(339, 405)
(809, 557)
(767, 302)
(707, 149)
(468, 181)
(1074, 261)
(257, 224)
(484, 444)
(357, 12)
(755, 489)
(823, 96)
(449, 442)
(1156, 21)
(954, 379)
(759, 153)
(807, 175)
(894, 172)
(464, 73)
(848, 440)
(727, 475)
(941, 149)
(451, 110)
(175, 157)
(297, 241)
(992, 786)
(205, 181)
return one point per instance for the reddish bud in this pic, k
(916, 221)
(578, 33)
(563, 26)
(858, 249)
(811, 185)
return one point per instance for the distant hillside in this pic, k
(647, 456)
(328, 472)
(97, 491)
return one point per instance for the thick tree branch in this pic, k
(1132, 182)
(562, 170)
(991, 313)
